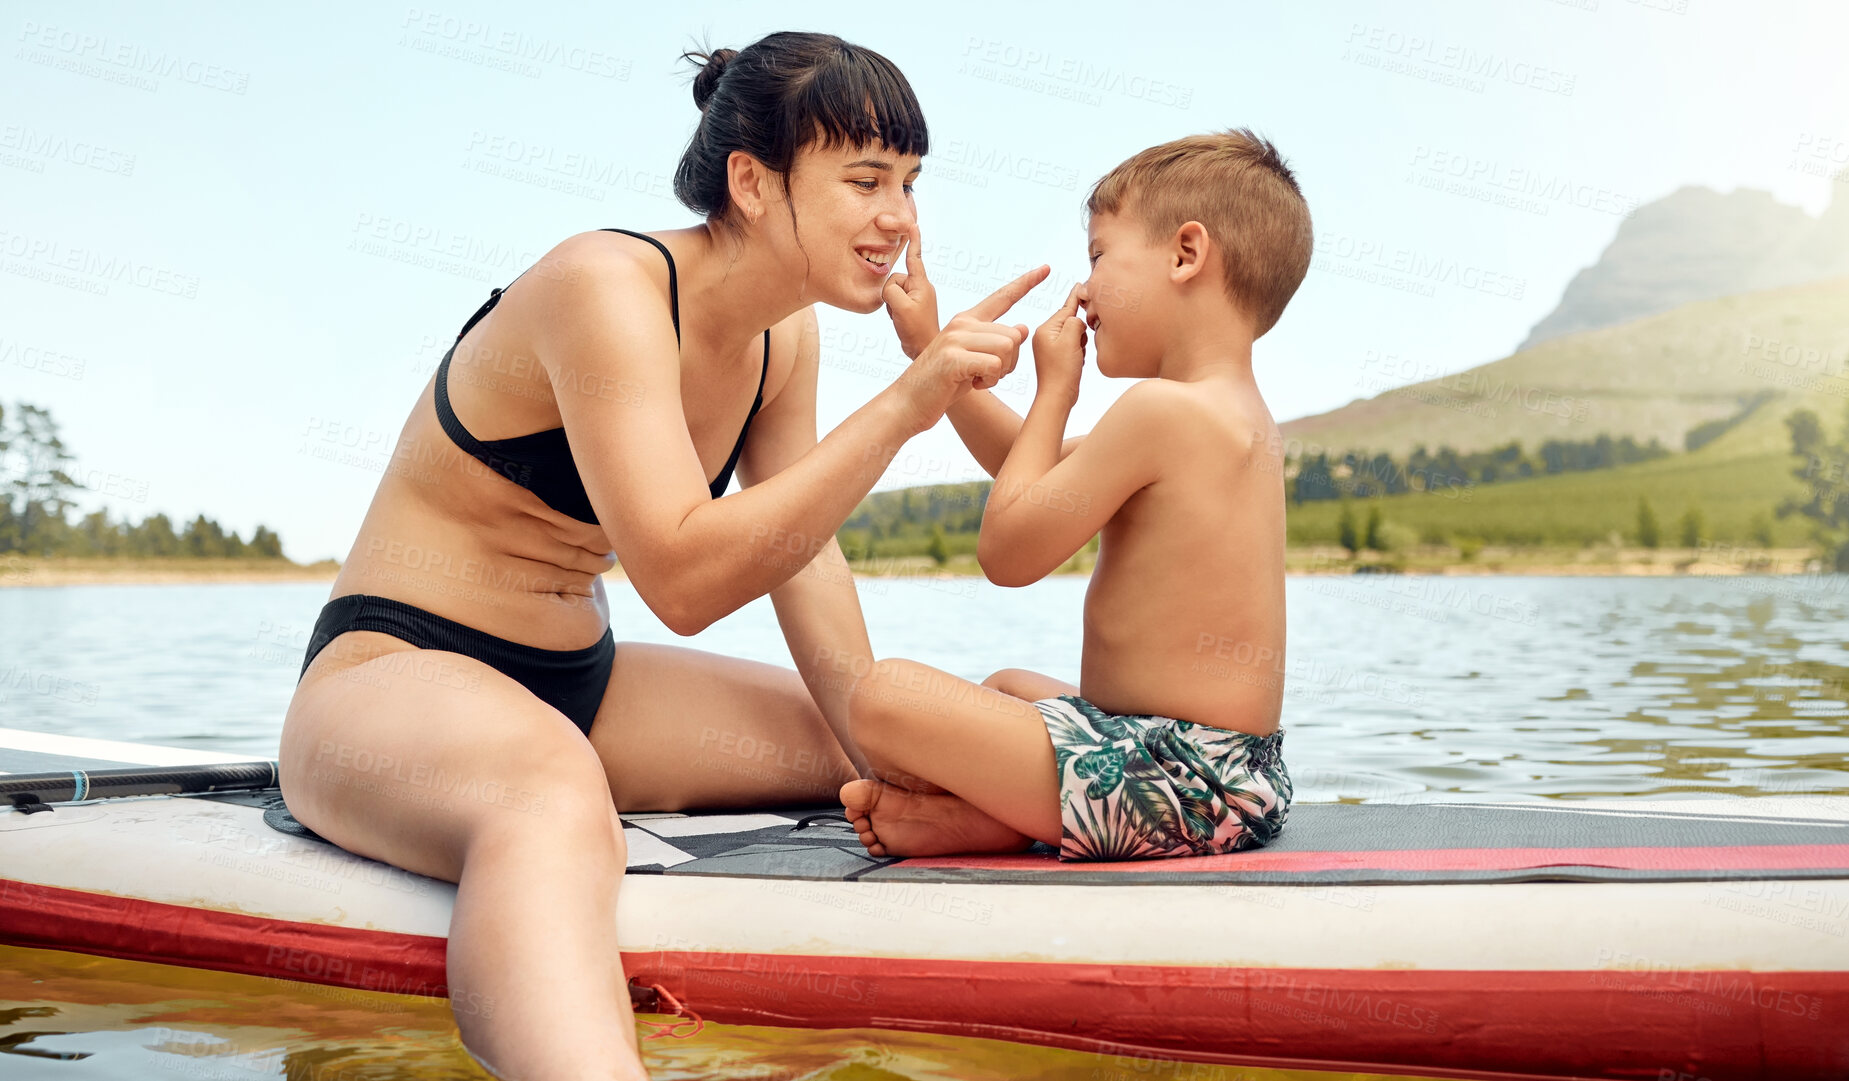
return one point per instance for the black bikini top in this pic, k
(541, 462)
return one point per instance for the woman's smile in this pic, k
(877, 260)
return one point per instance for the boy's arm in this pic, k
(989, 428)
(1042, 509)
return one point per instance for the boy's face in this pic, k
(1127, 278)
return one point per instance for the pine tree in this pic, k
(265, 544)
(1648, 533)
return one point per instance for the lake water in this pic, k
(1398, 688)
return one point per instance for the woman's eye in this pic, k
(867, 185)
(908, 189)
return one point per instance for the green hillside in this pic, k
(1653, 378)
(1583, 508)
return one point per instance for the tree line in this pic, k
(1359, 475)
(37, 496)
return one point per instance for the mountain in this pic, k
(1654, 377)
(1698, 244)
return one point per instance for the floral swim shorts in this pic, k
(1134, 786)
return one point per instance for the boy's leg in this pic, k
(987, 748)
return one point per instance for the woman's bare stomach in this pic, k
(530, 576)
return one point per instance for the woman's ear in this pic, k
(1188, 251)
(749, 184)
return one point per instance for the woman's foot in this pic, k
(892, 821)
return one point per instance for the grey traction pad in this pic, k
(1377, 844)
(1380, 843)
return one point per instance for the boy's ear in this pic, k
(1188, 251)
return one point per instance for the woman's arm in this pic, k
(602, 331)
(818, 608)
(989, 428)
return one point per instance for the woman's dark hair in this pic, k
(782, 93)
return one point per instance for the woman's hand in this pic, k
(1059, 349)
(972, 353)
(911, 301)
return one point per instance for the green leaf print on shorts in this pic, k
(1137, 787)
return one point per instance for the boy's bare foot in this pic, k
(892, 821)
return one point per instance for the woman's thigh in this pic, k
(1027, 685)
(683, 728)
(409, 755)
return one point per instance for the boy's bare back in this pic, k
(1185, 613)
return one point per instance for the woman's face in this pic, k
(853, 210)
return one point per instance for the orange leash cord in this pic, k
(678, 1009)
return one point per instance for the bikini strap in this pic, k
(738, 447)
(674, 293)
(674, 289)
(494, 298)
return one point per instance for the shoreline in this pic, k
(1602, 561)
(19, 572)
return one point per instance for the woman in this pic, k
(464, 710)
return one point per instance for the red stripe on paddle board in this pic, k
(1719, 1026)
(1722, 1026)
(81, 922)
(1718, 858)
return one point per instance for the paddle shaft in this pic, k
(70, 785)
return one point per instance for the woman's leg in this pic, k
(439, 764)
(682, 728)
(1028, 686)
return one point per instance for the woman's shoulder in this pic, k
(600, 257)
(595, 274)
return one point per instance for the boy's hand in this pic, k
(911, 301)
(1059, 348)
(972, 353)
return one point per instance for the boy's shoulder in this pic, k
(1185, 414)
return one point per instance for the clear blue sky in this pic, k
(275, 189)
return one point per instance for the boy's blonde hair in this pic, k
(1237, 185)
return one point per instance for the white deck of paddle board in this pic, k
(215, 855)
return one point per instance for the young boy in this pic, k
(1171, 743)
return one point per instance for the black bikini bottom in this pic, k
(572, 681)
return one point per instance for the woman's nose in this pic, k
(893, 222)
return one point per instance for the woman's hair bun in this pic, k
(782, 93)
(708, 79)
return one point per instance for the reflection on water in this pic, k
(1569, 687)
(71, 1017)
(1397, 687)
